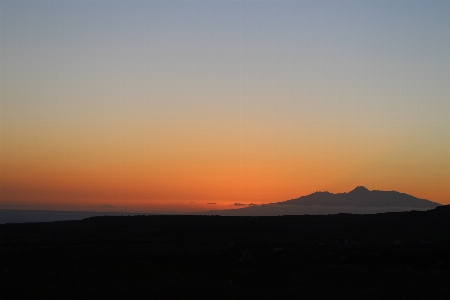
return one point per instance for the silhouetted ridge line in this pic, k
(362, 197)
(358, 201)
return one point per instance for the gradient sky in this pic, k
(170, 105)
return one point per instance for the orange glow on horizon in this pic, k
(187, 186)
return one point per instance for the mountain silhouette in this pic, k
(358, 201)
(362, 197)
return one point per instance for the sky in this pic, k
(197, 105)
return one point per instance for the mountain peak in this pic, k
(360, 200)
(359, 189)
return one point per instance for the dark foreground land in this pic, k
(383, 256)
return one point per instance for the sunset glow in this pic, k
(171, 105)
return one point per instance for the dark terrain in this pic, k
(383, 256)
(358, 201)
(361, 196)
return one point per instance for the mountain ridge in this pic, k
(361, 197)
(358, 201)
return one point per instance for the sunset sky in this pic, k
(171, 105)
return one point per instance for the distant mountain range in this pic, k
(359, 201)
(362, 197)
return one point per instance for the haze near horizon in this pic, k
(199, 105)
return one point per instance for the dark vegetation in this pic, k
(384, 256)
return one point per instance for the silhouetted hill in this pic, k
(358, 201)
(362, 197)
(400, 255)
